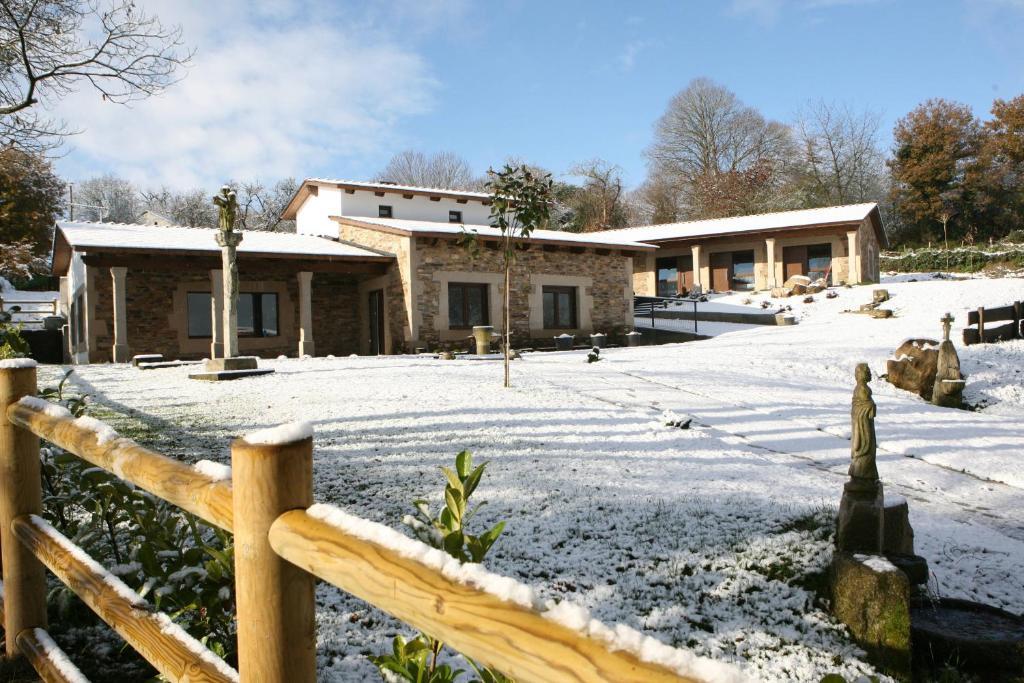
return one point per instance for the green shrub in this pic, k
(183, 566)
(12, 344)
(960, 259)
(416, 660)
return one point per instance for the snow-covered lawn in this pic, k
(712, 537)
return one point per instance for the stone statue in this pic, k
(863, 444)
(227, 202)
(948, 390)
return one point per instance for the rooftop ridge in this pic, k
(397, 187)
(746, 215)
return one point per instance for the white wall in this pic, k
(313, 216)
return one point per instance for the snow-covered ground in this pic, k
(710, 537)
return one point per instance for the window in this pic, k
(454, 216)
(384, 211)
(257, 315)
(200, 315)
(819, 260)
(743, 270)
(468, 305)
(560, 308)
(668, 276)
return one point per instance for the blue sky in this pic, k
(333, 89)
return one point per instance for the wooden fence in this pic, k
(983, 331)
(28, 312)
(280, 550)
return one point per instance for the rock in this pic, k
(872, 597)
(781, 292)
(798, 289)
(913, 366)
(914, 567)
(860, 526)
(785, 319)
(880, 295)
(880, 313)
(899, 535)
(795, 280)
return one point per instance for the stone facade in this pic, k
(397, 285)
(156, 306)
(603, 281)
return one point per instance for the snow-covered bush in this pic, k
(183, 566)
(416, 660)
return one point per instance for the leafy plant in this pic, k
(12, 344)
(183, 566)
(416, 660)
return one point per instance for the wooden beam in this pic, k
(518, 641)
(167, 478)
(314, 190)
(550, 247)
(577, 250)
(435, 199)
(602, 252)
(176, 655)
(255, 266)
(21, 493)
(408, 196)
(275, 605)
(49, 661)
(462, 201)
(348, 190)
(378, 194)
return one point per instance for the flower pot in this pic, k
(483, 334)
(633, 338)
(563, 342)
(598, 340)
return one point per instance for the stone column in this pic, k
(118, 273)
(771, 281)
(229, 243)
(305, 314)
(853, 261)
(695, 252)
(216, 314)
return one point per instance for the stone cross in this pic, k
(863, 443)
(229, 240)
(947, 323)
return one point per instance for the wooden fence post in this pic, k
(981, 325)
(276, 614)
(20, 494)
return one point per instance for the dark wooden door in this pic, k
(686, 273)
(721, 271)
(376, 319)
(795, 261)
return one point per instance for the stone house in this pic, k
(374, 268)
(128, 289)
(439, 287)
(758, 252)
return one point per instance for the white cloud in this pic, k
(274, 90)
(627, 57)
(768, 11)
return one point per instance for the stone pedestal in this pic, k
(861, 524)
(482, 335)
(231, 364)
(872, 597)
(899, 535)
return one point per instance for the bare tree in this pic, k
(106, 198)
(262, 207)
(656, 201)
(191, 208)
(841, 162)
(599, 203)
(442, 170)
(707, 136)
(48, 48)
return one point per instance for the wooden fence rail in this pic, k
(980, 329)
(280, 550)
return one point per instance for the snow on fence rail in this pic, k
(283, 543)
(980, 331)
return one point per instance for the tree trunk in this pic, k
(508, 322)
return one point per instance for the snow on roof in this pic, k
(438, 228)
(378, 186)
(849, 213)
(84, 235)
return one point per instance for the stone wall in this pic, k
(398, 288)
(336, 325)
(439, 261)
(156, 302)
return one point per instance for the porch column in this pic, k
(217, 314)
(769, 244)
(118, 273)
(305, 314)
(853, 262)
(695, 253)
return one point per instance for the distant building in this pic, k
(758, 252)
(149, 217)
